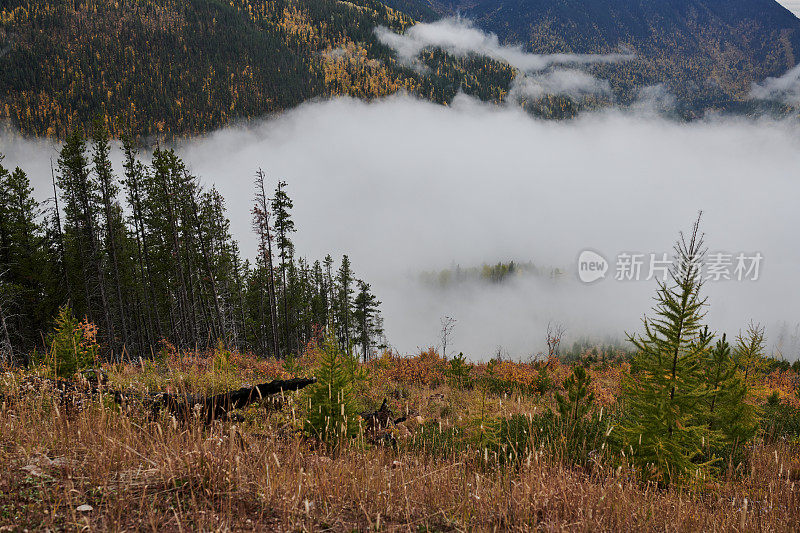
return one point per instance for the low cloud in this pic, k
(785, 88)
(654, 99)
(460, 37)
(405, 186)
(574, 83)
(540, 74)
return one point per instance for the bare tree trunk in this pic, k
(266, 245)
(62, 249)
(209, 272)
(184, 328)
(6, 338)
(114, 263)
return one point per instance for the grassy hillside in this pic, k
(439, 470)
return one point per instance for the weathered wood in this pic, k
(75, 395)
(219, 407)
(379, 425)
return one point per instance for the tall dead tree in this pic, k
(448, 324)
(261, 224)
(6, 350)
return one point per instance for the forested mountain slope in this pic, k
(181, 67)
(187, 66)
(707, 52)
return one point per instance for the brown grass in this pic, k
(262, 475)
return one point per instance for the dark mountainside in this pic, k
(707, 52)
(177, 68)
(180, 67)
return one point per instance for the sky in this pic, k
(791, 5)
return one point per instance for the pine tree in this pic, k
(146, 300)
(262, 226)
(332, 414)
(171, 271)
(665, 399)
(54, 236)
(6, 348)
(166, 221)
(25, 304)
(220, 255)
(344, 302)
(749, 351)
(319, 297)
(5, 214)
(728, 409)
(284, 227)
(70, 349)
(576, 404)
(112, 218)
(329, 286)
(81, 233)
(366, 318)
(208, 222)
(719, 370)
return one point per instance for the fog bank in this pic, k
(539, 74)
(460, 37)
(404, 186)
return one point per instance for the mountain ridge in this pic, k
(178, 68)
(183, 67)
(706, 52)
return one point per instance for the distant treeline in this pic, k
(498, 273)
(164, 268)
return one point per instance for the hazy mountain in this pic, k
(708, 52)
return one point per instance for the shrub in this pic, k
(780, 420)
(223, 362)
(543, 381)
(505, 377)
(515, 439)
(579, 398)
(459, 372)
(573, 443)
(576, 442)
(332, 410)
(73, 345)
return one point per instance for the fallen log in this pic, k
(220, 406)
(73, 396)
(78, 395)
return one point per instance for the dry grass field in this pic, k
(84, 463)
